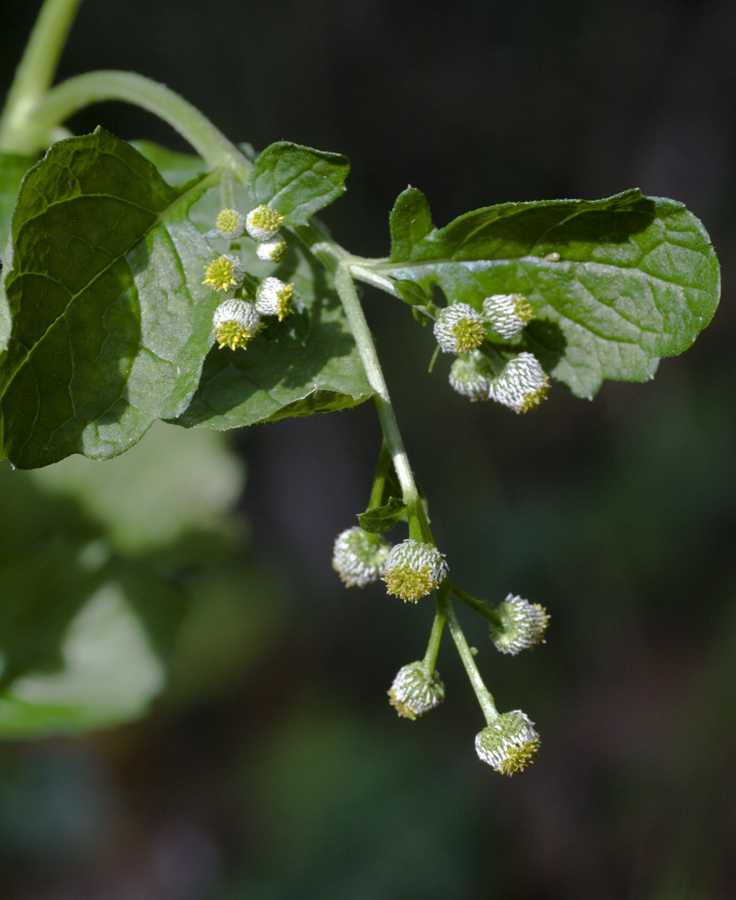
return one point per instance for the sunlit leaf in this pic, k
(615, 284)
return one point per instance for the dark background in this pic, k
(289, 776)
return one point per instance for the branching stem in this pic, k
(466, 655)
(485, 609)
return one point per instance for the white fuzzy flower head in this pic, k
(522, 384)
(524, 624)
(272, 251)
(263, 223)
(236, 323)
(459, 328)
(359, 556)
(509, 743)
(274, 298)
(224, 272)
(413, 570)
(471, 376)
(229, 225)
(414, 692)
(507, 314)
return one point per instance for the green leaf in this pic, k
(111, 323)
(412, 293)
(12, 170)
(382, 518)
(410, 221)
(282, 372)
(297, 181)
(178, 169)
(615, 284)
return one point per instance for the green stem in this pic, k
(392, 436)
(35, 74)
(383, 467)
(485, 609)
(433, 647)
(94, 87)
(481, 691)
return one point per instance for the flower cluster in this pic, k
(413, 570)
(509, 743)
(359, 557)
(519, 383)
(237, 320)
(523, 625)
(507, 314)
(415, 692)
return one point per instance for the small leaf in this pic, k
(615, 284)
(382, 518)
(111, 323)
(410, 221)
(297, 181)
(412, 293)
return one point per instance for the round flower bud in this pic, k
(509, 743)
(413, 570)
(523, 626)
(471, 376)
(272, 251)
(522, 384)
(224, 272)
(459, 328)
(236, 323)
(507, 314)
(359, 556)
(262, 223)
(229, 225)
(274, 298)
(414, 692)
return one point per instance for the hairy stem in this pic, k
(34, 75)
(433, 647)
(67, 98)
(392, 436)
(481, 691)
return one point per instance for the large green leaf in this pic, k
(297, 181)
(110, 320)
(615, 284)
(314, 367)
(12, 170)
